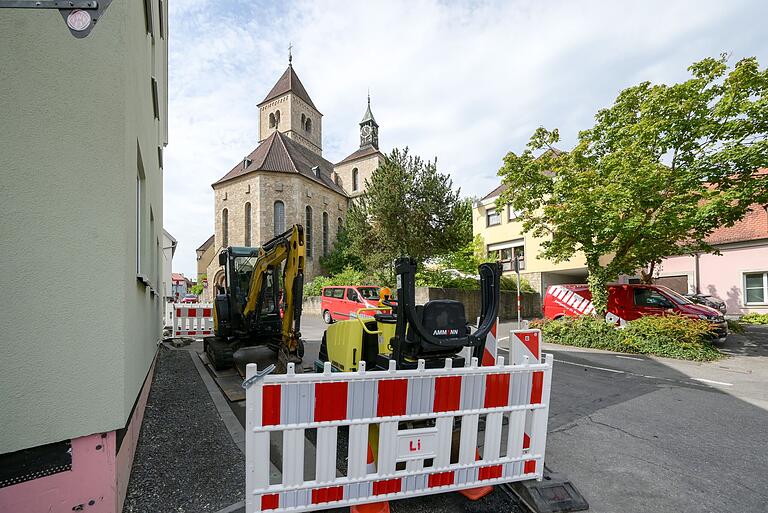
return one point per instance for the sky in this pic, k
(463, 82)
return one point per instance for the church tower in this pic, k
(288, 109)
(369, 129)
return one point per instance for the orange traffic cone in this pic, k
(373, 507)
(474, 494)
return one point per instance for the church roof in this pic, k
(280, 153)
(287, 83)
(365, 151)
(368, 116)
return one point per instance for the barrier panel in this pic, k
(412, 415)
(192, 320)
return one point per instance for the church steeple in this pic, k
(369, 129)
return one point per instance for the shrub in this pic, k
(445, 280)
(755, 318)
(672, 336)
(348, 276)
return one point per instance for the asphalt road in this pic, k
(640, 434)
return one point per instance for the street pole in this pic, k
(517, 271)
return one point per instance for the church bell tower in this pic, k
(369, 129)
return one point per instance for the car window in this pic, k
(676, 297)
(352, 294)
(338, 293)
(369, 292)
(328, 292)
(651, 298)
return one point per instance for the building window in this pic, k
(339, 226)
(248, 224)
(506, 253)
(513, 214)
(492, 217)
(277, 118)
(271, 120)
(224, 228)
(303, 120)
(279, 221)
(308, 230)
(308, 126)
(325, 233)
(756, 288)
(354, 179)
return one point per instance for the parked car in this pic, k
(189, 298)
(343, 302)
(629, 302)
(707, 300)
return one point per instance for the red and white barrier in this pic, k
(411, 462)
(192, 320)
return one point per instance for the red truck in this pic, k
(629, 302)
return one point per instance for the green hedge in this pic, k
(441, 279)
(348, 276)
(755, 318)
(672, 336)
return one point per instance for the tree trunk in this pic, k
(598, 286)
(646, 275)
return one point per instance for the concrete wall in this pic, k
(80, 331)
(722, 275)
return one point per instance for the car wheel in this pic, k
(327, 317)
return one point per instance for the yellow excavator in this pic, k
(260, 302)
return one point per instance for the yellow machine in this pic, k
(260, 303)
(405, 332)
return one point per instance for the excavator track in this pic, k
(219, 353)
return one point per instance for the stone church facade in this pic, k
(285, 180)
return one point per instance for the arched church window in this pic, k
(271, 120)
(279, 220)
(225, 228)
(277, 118)
(308, 229)
(338, 227)
(309, 125)
(248, 224)
(303, 120)
(325, 233)
(354, 179)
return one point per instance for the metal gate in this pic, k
(511, 401)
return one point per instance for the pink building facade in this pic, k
(738, 276)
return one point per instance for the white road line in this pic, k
(502, 338)
(630, 358)
(703, 380)
(592, 367)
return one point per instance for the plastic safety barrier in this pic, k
(412, 460)
(192, 320)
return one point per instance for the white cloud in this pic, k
(465, 82)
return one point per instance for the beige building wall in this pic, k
(538, 271)
(262, 190)
(291, 108)
(80, 255)
(365, 168)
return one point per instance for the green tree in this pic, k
(197, 288)
(341, 256)
(662, 168)
(409, 208)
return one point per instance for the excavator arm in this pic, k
(287, 247)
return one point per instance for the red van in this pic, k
(629, 302)
(341, 302)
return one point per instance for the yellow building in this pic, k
(503, 236)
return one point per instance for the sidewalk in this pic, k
(186, 460)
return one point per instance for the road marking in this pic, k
(592, 367)
(630, 358)
(703, 380)
(502, 338)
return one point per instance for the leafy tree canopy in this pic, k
(408, 209)
(662, 168)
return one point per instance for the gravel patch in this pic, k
(186, 460)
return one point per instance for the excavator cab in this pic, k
(260, 304)
(409, 332)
